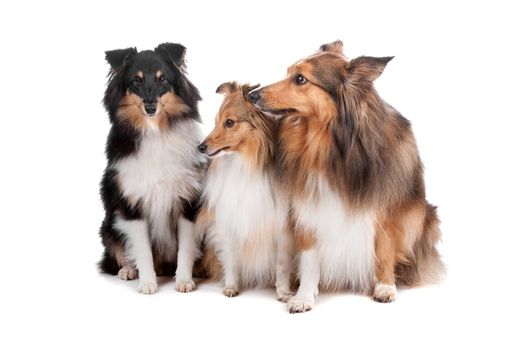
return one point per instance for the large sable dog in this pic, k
(154, 171)
(355, 179)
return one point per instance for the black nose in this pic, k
(150, 108)
(254, 95)
(202, 147)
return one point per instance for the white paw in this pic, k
(385, 293)
(128, 273)
(148, 287)
(230, 291)
(299, 304)
(284, 295)
(184, 286)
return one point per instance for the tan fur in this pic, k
(252, 136)
(304, 240)
(337, 126)
(120, 255)
(169, 105)
(249, 134)
(210, 266)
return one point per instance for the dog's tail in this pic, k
(208, 266)
(108, 264)
(424, 264)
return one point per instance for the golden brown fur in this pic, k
(251, 135)
(169, 106)
(243, 215)
(335, 125)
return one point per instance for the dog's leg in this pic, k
(128, 272)
(185, 256)
(139, 249)
(230, 263)
(385, 250)
(309, 276)
(284, 266)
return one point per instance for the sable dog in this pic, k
(244, 214)
(355, 179)
(154, 172)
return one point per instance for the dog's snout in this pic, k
(202, 147)
(255, 95)
(151, 108)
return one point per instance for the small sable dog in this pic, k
(355, 180)
(154, 172)
(244, 215)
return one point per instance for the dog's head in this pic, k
(314, 86)
(149, 88)
(239, 127)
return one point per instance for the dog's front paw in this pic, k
(184, 286)
(148, 287)
(284, 295)
(128, 273)
(299, 304)
(230, 291)
(385, 293)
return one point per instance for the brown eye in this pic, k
(300, 80)
(163, 80)
(137, 81)
(229, 123)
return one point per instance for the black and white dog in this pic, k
(153, 177)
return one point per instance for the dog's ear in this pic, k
(366, 68)
(118, 58)
(336, 46)
(227, 88)
(246, 88)
(172, 53)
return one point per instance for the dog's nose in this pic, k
(254, 95)
(151, 108)
(202, 147)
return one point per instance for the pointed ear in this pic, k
(227, 88)
(366, 68)
(336, 47)
(172, 53)
(118, 58)
(246, 88)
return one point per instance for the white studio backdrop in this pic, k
(458, 76)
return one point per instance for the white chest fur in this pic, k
(161, 172)
(344, 239)
(249, 216)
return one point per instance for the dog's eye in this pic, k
(137, 81)
(163, 80)
(300, 80)
(229, 123)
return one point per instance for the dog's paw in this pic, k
(128, 273)
(284, 295)
(230, 291)
(148, 287)
(184, 286)
(298, 304)
(385, 293)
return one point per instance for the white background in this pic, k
(458, 76)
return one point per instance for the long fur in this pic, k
(244, 214)
(342, 147)
(154, 171)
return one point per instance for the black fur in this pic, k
(124, 140)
